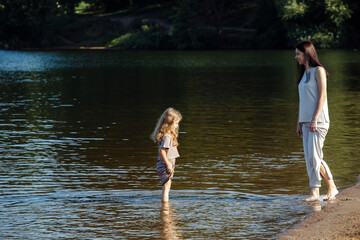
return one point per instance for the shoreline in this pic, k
(340, 219)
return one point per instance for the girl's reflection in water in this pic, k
(168, 227)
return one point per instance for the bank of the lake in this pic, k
(339, 220)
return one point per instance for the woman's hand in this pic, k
(299, 129)
(313, 126)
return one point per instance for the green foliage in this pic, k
(125, 41)
(68, 6)
(309, 19)
(115, 5)
(146, 37)
(270, 28)
(108, 5)
(338, 11)
(196, 24)
(96, 34)
(82, 7)
(183, 35)
(317, 34)
(293, 9)
(23, 23)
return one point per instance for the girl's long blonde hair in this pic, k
(165, 125)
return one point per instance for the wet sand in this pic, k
(339, 219)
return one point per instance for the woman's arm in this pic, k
(165, 160)
(320, 77)
(299, 125)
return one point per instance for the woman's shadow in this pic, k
(168, 226)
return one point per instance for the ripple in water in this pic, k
(77, 162)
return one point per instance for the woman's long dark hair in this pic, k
(310, 56)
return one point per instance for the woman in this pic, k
(313, 120)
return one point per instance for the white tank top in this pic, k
(309, 95)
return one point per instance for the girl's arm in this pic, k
(165, 160)
(320, 77)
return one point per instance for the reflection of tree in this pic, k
(168, 228)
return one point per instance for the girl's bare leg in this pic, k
(165, 191)
(332, 191)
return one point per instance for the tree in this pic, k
(183, 33)
(270, 29)
(322, 22)
(22, 22)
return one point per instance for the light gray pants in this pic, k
(313, 144)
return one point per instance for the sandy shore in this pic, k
(339, 219)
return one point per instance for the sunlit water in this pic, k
(77, 163)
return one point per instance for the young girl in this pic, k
(165, 135)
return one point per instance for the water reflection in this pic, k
(316, 206)
(168, 227)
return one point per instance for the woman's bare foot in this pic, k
(332, 192)
(314, 195)
(312, 198)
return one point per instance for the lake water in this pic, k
(76, 161)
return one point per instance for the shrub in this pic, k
(146, 37)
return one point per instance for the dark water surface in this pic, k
(76, 161)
